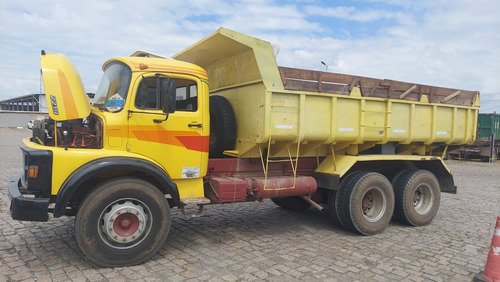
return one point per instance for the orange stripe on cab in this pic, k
(69, 102)
(188, 139)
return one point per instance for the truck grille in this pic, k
(40, 183)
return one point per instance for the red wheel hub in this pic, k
(126, 224)
(367, 203)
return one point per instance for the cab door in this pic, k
(177, 141)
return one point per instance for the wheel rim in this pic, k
(125, 223)
(373, 205)
(423, 199)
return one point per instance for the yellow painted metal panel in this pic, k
(233, 58)
(190, 188)
(176, 146)
(152, 64)
(400, 122)
(341, 164)
(65, 164)
(64, 91)
(316, 115)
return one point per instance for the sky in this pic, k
(446, 43)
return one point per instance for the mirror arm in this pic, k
(161, 120)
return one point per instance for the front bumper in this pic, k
(25, 208)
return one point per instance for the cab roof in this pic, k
(140, 62)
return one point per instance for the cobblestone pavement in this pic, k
(260, 241)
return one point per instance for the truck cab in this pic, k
(148, 121)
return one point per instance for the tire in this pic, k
(332, 198)
(222, 126)
(293, 203)
(365, 203)
(332, 207)
(417, 196)
(278, 202)
(138, 222)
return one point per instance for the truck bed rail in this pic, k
(337, 83)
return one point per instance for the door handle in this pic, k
(198, 125)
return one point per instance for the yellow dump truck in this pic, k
(222, 123)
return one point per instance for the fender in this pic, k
(330, 171)
(105, 167)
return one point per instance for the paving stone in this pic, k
(260, 241)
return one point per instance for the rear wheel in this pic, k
(417, 197)
(365, 203)
(332, 198)
(332, 207)
(123, 222)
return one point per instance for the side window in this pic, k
(186, 95)
(149, 99)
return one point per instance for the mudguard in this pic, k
(113, 167)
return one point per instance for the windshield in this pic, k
(113, 88)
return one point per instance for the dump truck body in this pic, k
(278, 106)
(222, 123)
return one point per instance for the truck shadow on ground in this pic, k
(226, 225)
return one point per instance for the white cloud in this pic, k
(352, 13)
(446, 43)
(440, 43)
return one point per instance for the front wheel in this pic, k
(123, 222)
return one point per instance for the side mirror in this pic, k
(168, 96)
